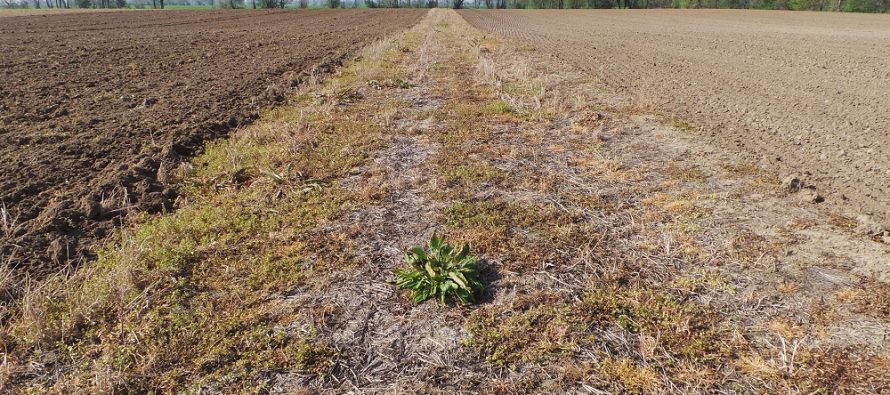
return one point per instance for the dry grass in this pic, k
(9, 223)
(662, 230)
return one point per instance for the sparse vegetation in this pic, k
(608, 254)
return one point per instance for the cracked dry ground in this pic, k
(621, 255)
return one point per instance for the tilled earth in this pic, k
(806, 93)
(97, 109)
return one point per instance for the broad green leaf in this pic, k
(457, 279)
(435, 242)
(429, 269)
(419, 253)
(463, 253)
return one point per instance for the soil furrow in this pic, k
(94, 121)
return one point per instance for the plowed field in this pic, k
(808, 93)
(96, 109)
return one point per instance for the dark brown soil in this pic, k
(96, 109)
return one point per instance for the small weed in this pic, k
(340, 97)
(468, 175)
(290, 177)
(681, 124)
(392, 83)
(103, 97)
(500, 107)
(347, 96)
(9, 224)
(442, 273)
(401, 84)
(486, 215)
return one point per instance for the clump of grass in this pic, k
(9, 223)
(487, 215)
(500, 107)
(534, 88)
(392, 83)
(438, 67)
(685, 173)
(471, 174)
(634, 379)
(443, 273)
(681, 124)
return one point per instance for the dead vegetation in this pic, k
(612, 261)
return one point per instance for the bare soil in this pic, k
(803, 93)
(97, 109)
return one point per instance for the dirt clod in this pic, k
(809, 195)
(868, 226)
(792, 183)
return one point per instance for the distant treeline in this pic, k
(877, 6)
(803, 5)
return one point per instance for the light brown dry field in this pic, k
(800, 93)
(621, 252)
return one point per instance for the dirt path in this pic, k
(99, 108)
(801, 93)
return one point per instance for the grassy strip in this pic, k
(608, 268)
(196, 299)
(506, 196)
